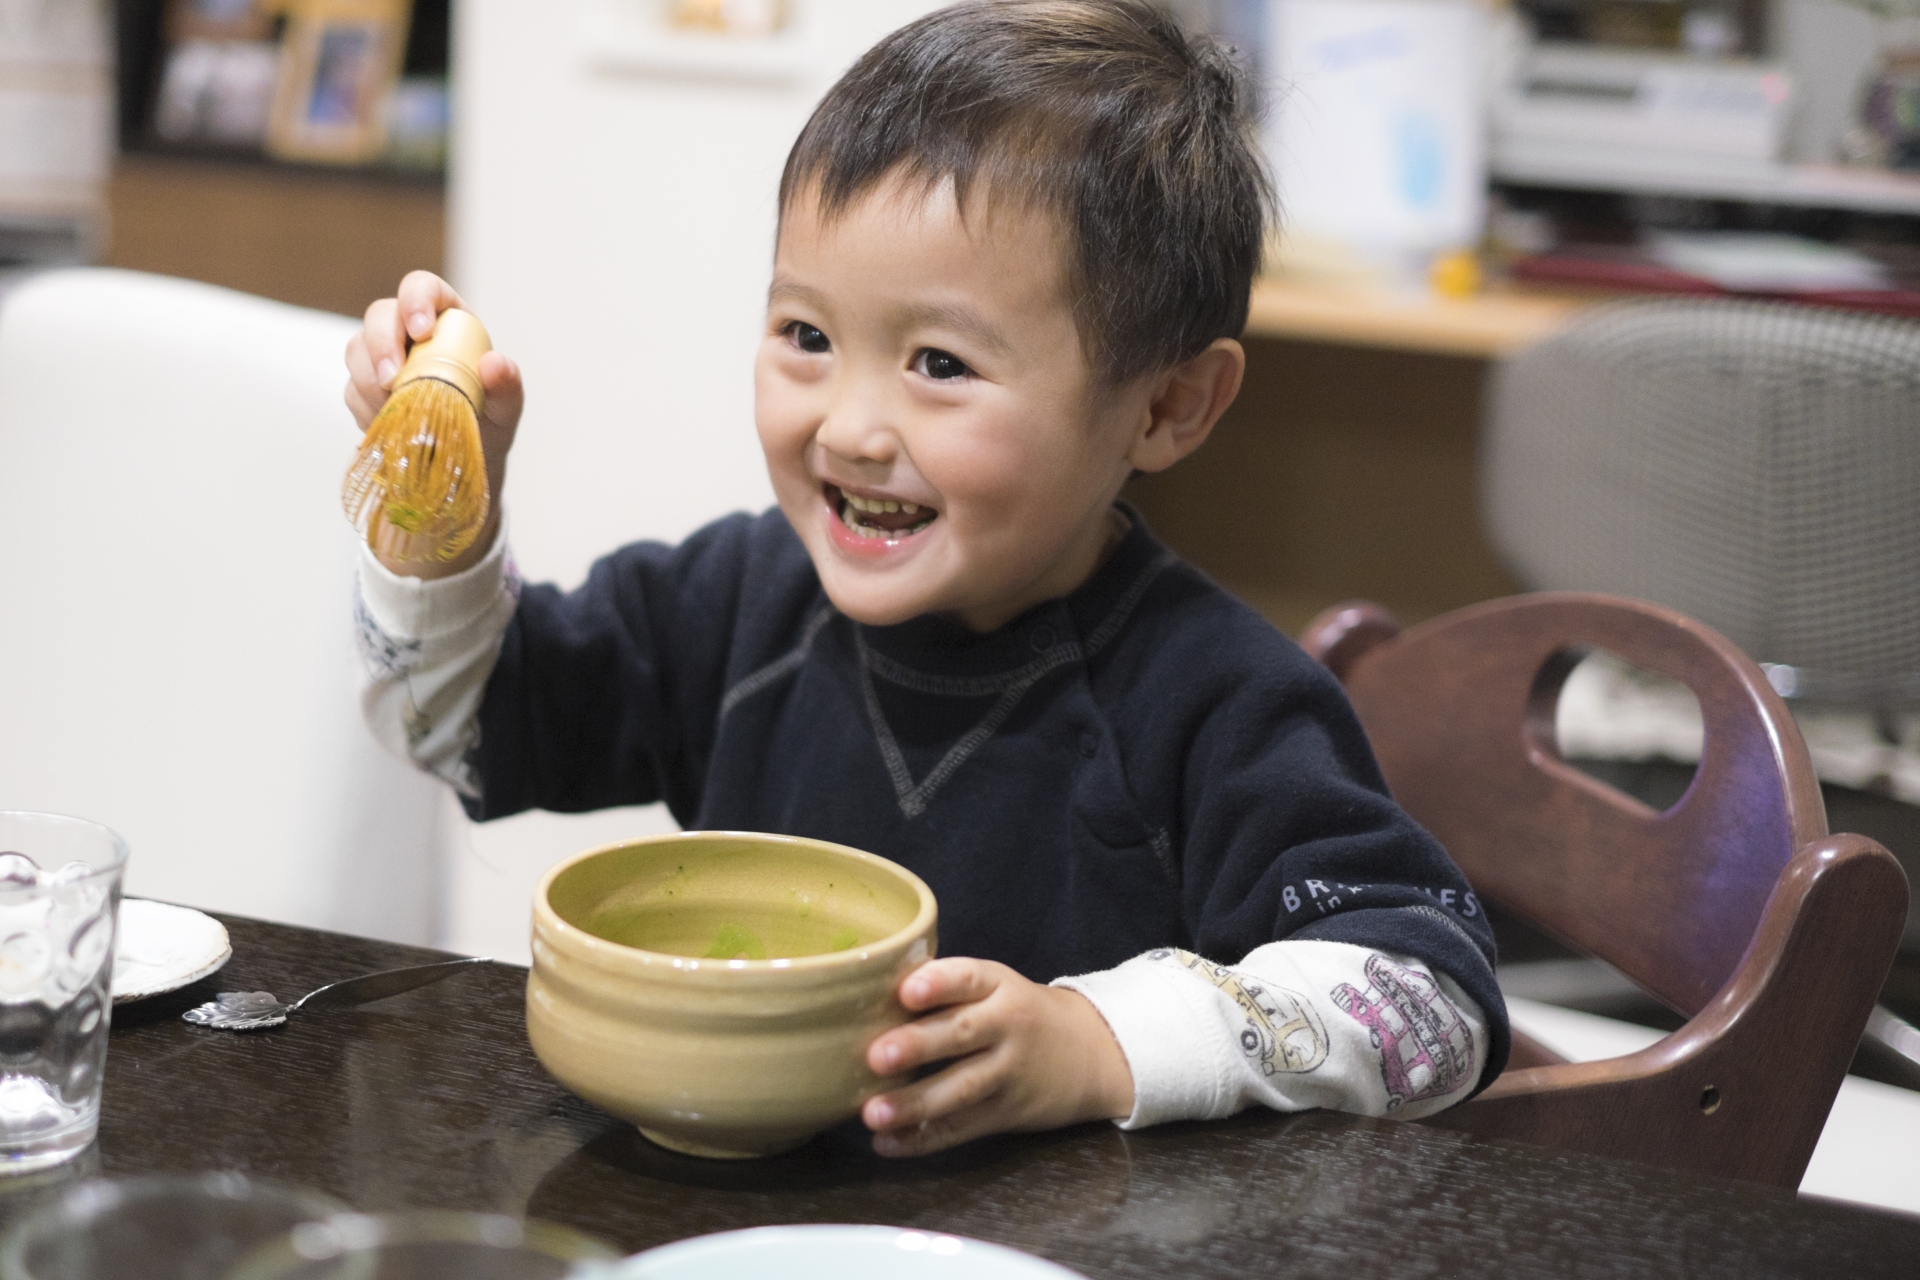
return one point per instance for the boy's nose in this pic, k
(857, 429)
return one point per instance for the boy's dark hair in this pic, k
(1101, 113)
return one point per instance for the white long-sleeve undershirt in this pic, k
(428, 647)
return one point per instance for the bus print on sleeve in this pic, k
(1426, 1048)
(1282, 1033)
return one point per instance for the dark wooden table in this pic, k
(433, 1099)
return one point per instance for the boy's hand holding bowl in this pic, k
(1023, 1056)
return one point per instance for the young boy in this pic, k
(1015, 247)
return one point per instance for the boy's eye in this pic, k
(934, 363)
(808, 338)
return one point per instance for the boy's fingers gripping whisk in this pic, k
(392, 325)
(500, 415)
(421, 298)
(364, 394)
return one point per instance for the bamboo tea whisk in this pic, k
(417, 490)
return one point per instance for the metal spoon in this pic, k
(257, 1010)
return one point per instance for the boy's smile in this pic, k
(932, 426)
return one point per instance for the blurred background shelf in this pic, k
(200, 187)
(334, 239)
(1808, 186)
(1489, 324)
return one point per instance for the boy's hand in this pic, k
(374, 356)
(1025, 1057)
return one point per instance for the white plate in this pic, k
(162, 948)
(835, 1253)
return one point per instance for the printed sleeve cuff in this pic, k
(1165, 1043)
(419, 609)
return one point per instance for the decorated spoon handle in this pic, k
(378, 986)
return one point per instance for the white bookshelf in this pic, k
(1641, 172)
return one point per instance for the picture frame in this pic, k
(339, 62)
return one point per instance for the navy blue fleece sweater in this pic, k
(1145, 763)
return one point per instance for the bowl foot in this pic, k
(744, 1150)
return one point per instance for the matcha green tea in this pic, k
(725, 898)
(725, 931)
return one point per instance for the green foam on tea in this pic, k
(735, 942)
(726, 930)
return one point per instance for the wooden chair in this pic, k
(1734, 907)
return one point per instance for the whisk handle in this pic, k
(451, 354)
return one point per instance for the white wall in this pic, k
(615, 229)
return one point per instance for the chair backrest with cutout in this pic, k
(1460, 711)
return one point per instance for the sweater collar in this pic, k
(937, 644)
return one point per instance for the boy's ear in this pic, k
(1188, 399)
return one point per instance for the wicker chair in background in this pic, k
(1754, 466)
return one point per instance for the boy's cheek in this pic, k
(773, 389)
(785, 418)
(784, 445)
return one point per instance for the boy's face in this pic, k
(931, 425)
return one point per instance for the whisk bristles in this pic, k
(418, 489)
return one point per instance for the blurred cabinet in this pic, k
(195, 194)
(335, 240)
(1346, 469)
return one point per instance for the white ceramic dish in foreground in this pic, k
(162, 948)
(821, 1252)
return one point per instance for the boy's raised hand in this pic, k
(374, 356)
(1023, 1056)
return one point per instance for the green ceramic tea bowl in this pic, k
(719, 988)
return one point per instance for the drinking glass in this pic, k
(164, 1227)
(427, 1245)
(59, 904)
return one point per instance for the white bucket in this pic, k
(1377, 130)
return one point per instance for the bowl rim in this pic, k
(880, 951)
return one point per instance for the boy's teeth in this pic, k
(878, 506)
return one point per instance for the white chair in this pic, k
(176, 641)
